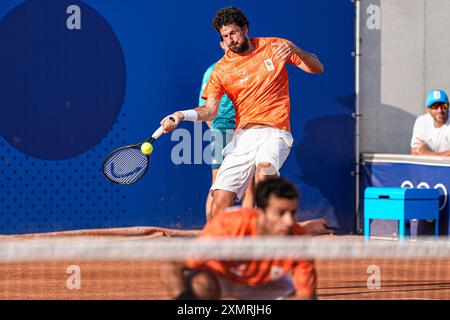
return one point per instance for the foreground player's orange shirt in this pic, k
(238, 222)
(257, 84)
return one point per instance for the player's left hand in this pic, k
(284, 50)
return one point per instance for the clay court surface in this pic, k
(128, 280)
(138, 280)
(338, 279)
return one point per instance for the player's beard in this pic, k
(242, 48)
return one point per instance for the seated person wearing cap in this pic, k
(431, 133)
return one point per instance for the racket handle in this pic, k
(160, 130)
(158, 133)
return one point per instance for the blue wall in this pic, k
(68, 97)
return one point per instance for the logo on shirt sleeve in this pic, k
(269, 65)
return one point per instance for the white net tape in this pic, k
(179, 249)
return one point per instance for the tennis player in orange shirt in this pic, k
(253, 75)
(277, 201)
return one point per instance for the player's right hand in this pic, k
(170, 122)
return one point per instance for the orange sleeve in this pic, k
(214, 87)
(293, 59)
(220, 226)
(305, 278)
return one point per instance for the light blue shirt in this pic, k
(225, 116)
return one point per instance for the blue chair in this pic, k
(402, 205)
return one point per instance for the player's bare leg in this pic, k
(264, 170)
(209, 199)
(222, 199)
(248, 201)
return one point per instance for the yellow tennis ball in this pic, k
(146, 148)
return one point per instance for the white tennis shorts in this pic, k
(249, 148)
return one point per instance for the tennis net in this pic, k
(123, 268)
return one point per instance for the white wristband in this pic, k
(190, 115)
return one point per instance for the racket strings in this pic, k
(125, 166)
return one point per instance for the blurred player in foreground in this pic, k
(253, 74)
(277, 201)
(222, 129)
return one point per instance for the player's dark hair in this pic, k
(277, 186)
(229, 15)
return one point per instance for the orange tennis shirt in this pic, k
(257, 83)
(239, 222)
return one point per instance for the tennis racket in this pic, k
(128, 164)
